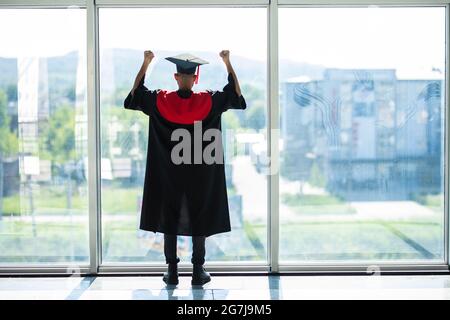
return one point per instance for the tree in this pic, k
(230, 120)
(58, 136)
(8, 141)
(256, 116)
(57, 144)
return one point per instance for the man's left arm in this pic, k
(232, 95)
(225, 55)
(236, 82)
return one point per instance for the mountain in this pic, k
(119, 67)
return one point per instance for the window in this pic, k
(362, 143)
(125, 133)
(43, 148)
(361, 175)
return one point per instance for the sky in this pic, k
(402, 38)
(407, 39)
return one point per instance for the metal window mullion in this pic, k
(93, 122)
(413, 266)
(272, 137)
(131, 3)
(334, 3)
(446, 139)
(42, 3)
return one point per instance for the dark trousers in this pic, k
(198, 249)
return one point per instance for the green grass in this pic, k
(68, 241)
(62, 242)
(11, 205)
(120, 200)
(367, 240)
(48, 200)
(52, 201)
(316, 204)
(20, 242)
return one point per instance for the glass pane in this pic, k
(43, 145)
(362, 134)
(125, 132)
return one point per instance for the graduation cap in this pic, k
(187, 63)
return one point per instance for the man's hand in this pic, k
(225, 55)
(148, 56)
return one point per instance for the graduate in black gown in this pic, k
(185, 187)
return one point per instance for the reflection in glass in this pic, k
(362, 129)
(124, 133)
(43, 145)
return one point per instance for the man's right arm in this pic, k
(148, 57)
(140, 74)
(236, 82)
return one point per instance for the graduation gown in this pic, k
(188, 198)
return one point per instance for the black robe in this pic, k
(183, 199)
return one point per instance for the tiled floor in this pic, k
(229, 287)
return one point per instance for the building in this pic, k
(372, 134)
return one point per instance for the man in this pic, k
(185, 194)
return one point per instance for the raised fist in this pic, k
(225, 55)
(148, 55)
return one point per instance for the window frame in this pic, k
(272, 265)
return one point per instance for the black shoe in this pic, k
(199, 275)
(171, 276)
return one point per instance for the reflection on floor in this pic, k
(229, 287)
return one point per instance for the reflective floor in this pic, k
(228, 287)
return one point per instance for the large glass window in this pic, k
(124, 133)
(43, 144)
(362, 130)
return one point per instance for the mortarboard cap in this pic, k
(187, 63)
